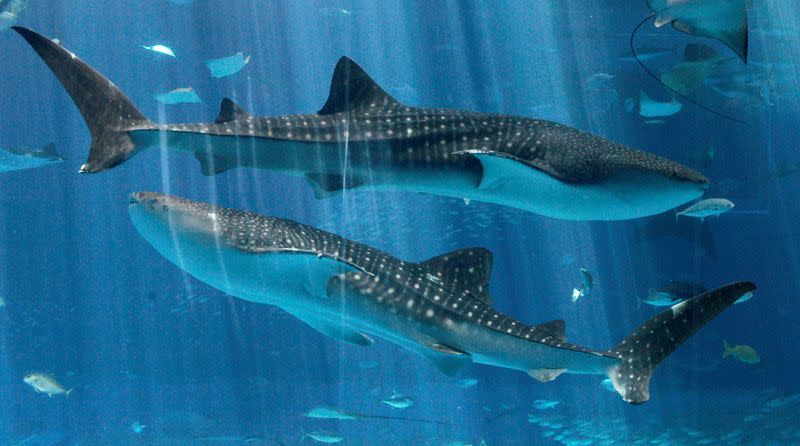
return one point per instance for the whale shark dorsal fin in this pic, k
(554, 328)
(466, 269)
(230, 111)
(352, 88)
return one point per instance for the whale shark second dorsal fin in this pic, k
(466, 269)
(230, 111)
(556, 329)
(352, 88)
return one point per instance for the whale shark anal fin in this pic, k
(327, 185)
(211, 165)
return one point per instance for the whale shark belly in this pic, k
(623, 196)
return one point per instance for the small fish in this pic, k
(467, 383)
(334, 12)
(2, 302)
(545, 404)
(751, 418)
(671, 294)
(783, 401)
(43, 383)
(328, 413)
(161, 49)
(7, 20)
(707, 208)
(137, 427)
(10, 14)
(467, 201)
(323, 437)
(367, 364)
(179, 96)
(588, 283)
(742, 353)
(630, 104)
(398, 401)
(227, 66)
(704, 157)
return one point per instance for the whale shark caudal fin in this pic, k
(654, 340)
(108, 113)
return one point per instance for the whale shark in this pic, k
(363, 138)
(440, 308)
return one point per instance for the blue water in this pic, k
(91, 303)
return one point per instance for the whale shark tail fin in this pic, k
(648, 345)
(108, 113)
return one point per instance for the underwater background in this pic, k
(157, 357)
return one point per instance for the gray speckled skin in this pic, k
(439, 308)
(383, 143)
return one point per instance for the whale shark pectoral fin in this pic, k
(211, 165)
(230, 111)
(446, 358)
(468, 269)
(499, 168)
(545, 375)
(327, 185)
(339, 332)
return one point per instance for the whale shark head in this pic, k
(258, 258)
(169, 222)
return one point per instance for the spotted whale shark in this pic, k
(440, 308)
(363, 138)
